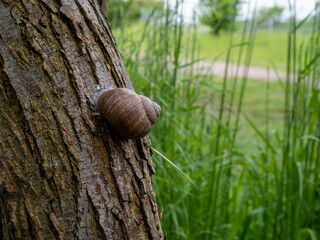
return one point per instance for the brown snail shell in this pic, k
(129, 114)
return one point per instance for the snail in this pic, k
(131, 115)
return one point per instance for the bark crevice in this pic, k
(95, 220)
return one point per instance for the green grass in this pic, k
(270, 49)
(255, 101)
(252, 147)
(254, 107)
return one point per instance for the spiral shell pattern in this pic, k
(132, 116)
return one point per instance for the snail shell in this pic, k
(129, 114)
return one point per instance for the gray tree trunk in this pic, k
(104, 5)
(63, 173)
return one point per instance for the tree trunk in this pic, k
(63, 173)
(104, 5)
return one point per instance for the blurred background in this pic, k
(237, 146)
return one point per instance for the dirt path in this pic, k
(218, 68)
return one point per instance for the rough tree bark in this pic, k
(63, 173)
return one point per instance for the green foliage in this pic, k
(122, 12)
(274, 13)
(270, 16)
(219, 14)
(252, 147)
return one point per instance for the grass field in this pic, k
(255, 106)
(251, 147)
(270, 48)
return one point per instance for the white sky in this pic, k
(303, 7)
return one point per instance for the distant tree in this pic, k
(269, 16)
(129, 10)
(219, 14)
